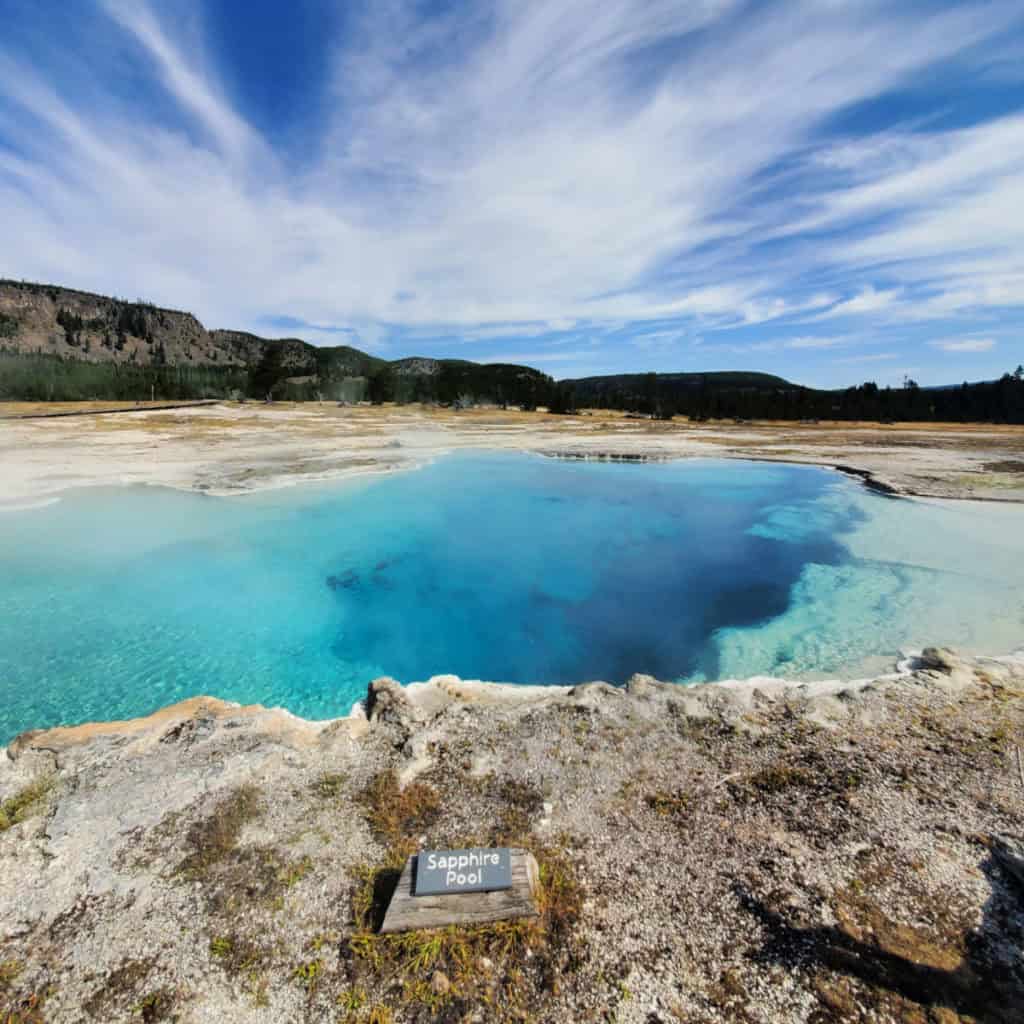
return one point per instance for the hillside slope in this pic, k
(669, 392)
(63, 344)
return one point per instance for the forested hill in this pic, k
(59, 344)
(673, 392)
(733, 395)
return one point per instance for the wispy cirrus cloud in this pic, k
(871, 357)
(539, 171)
(964, 344)
(190, 86)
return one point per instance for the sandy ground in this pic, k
(232, 448)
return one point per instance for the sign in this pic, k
(439, 872)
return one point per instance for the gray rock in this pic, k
(386, 701)
(1009, 854)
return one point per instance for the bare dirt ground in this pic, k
(757, 854)
(230, 448)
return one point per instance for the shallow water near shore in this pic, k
(507, 567)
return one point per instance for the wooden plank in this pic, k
(407, 912)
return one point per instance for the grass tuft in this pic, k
(328, 786)
(395, 814)
(308, 974)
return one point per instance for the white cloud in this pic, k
(964, 344)
(556, 356)
(869, 300)
(525, 168)
(874, 357)
(815, 342)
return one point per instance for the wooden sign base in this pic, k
(407, 912)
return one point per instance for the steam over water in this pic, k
(504, 567)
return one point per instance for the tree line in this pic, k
(47, 378)
(700, 397)
(43, 377)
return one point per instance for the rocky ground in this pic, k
(232, 448)
(749, 853)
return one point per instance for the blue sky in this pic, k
(832, 191)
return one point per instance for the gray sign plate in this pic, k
(477, 870)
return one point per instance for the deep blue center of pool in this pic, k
(503, 567)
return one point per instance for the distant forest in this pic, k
(758, 396)
(699, 396)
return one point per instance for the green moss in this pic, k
(28, 801)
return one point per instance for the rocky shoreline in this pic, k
(730, 852)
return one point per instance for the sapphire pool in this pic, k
(510, 567)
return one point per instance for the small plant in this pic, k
(292, 874)
(352, 1000)
(245, 959)
(319, 941)
(328, 786)
(520, 804)
(156, 1006)
(9, 970)
(26, 1010)
(669, 805)
(308, 974)
(29, 800)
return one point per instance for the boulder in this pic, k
(386, 701)
(940, 659)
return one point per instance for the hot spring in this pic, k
(510, 567)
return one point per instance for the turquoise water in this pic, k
(115, 602)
